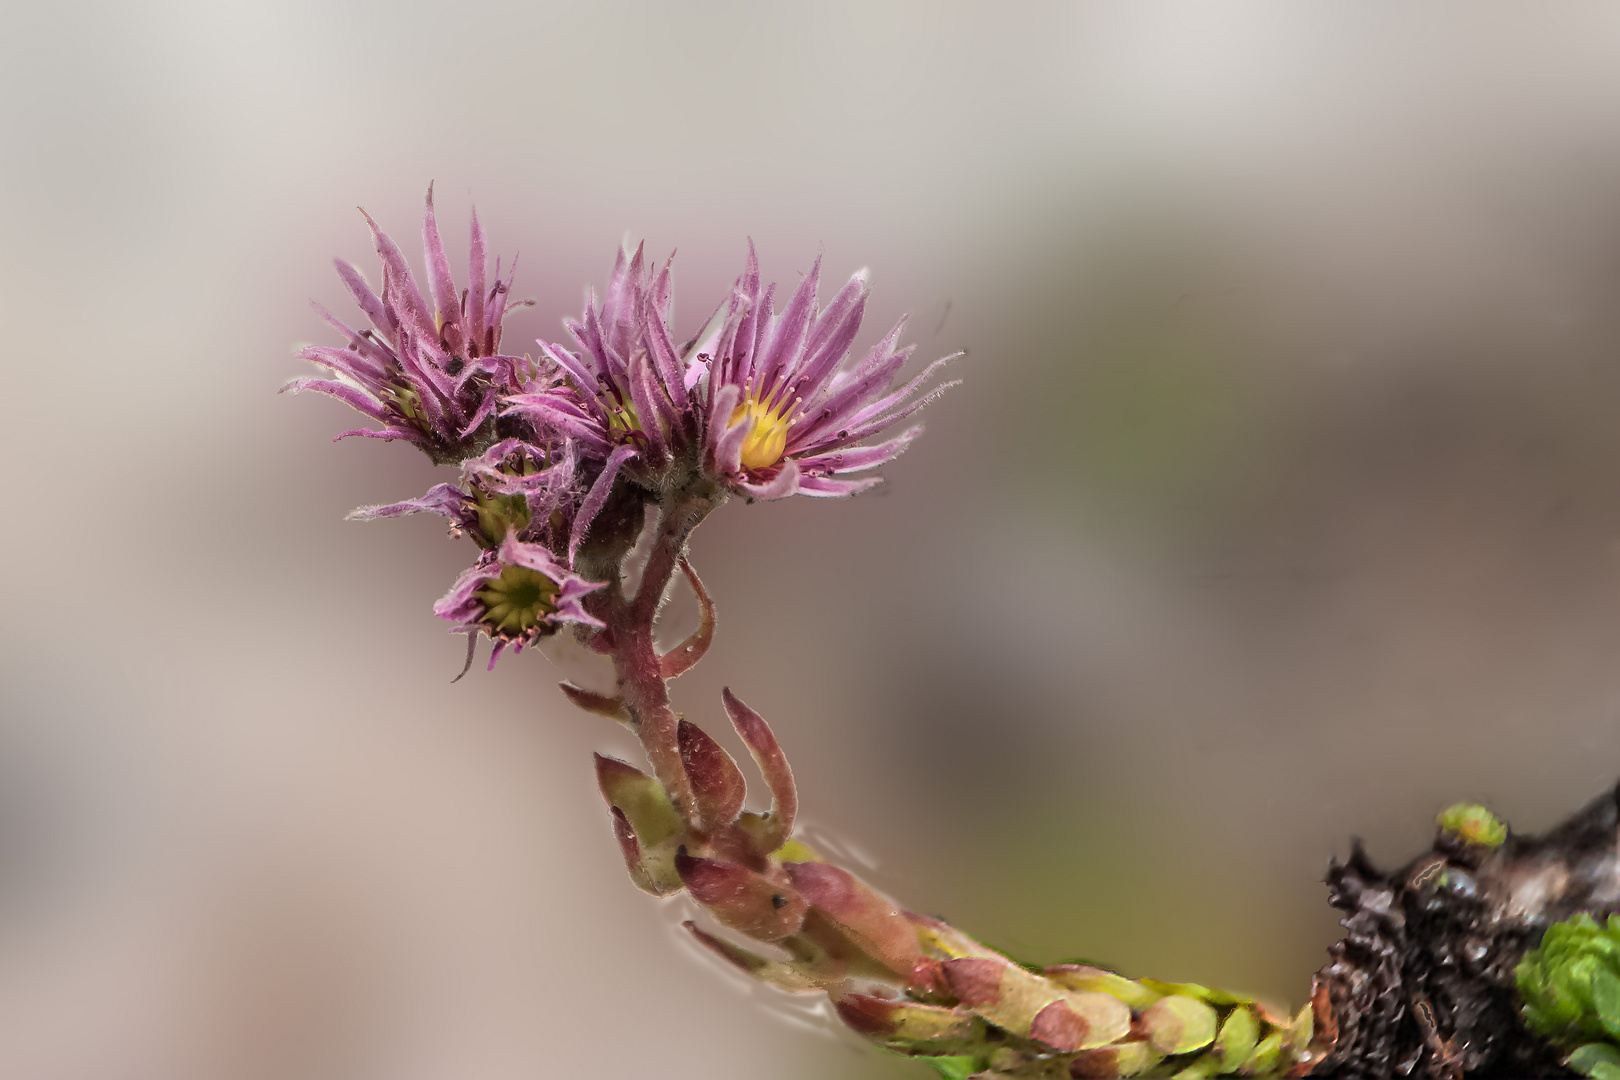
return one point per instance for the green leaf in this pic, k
(1237, 1039)
(1473, 824)
(1265, 1056)
(1600, 1061)
(954, 1068)
(1606, 999)
(1179, 1024)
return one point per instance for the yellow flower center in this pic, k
(515, 602)
(765, 444)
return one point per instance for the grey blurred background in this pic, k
(1281, 502)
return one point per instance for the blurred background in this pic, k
(1281, 501)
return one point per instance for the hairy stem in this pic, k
(636, 663)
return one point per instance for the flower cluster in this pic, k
(760, 402)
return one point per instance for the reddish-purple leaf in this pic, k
(717, 784)
(772, 764)
(747, 902)
(872, 920)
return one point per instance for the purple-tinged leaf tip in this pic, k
(906, 1025)
(790, 977)
(772, 763)
(592, 702)
(717, 784)
(1060, 1027)
(685, 656)
(630, 848)
(976, 981)
(641, 797)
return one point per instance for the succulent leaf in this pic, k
(1600, 1061)
(958, 1067)
(717, 784)
(1085, 977)
(747, 902)
(872, 920)
(1179, 1024)
(1237, 1039)
(1570, 984)
(1266, 1053)
(1121, 1060)
(910, 1027)
(1472, 824)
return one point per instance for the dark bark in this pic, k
(1422, 984)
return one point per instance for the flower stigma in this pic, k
(765, 444)
(517, 601)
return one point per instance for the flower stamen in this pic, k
(517, 601)
(767, 442)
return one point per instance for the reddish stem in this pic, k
(635, 659)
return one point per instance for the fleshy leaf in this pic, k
(1121, 1060)
(592, 702)
(1085, 977)
(1600, 1061)
(717, 785)
(773, 765)
(685, 656)
(1237, 1039)
(641, 797)
(1179, 1024)
(631, 849)
(1473, 824)
(747, 902)
(908, 1026)
(872, 920)
(1606, 1000)
(787, 977)
(1266, 1053)
(1022, 1003)
(955, 1068)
